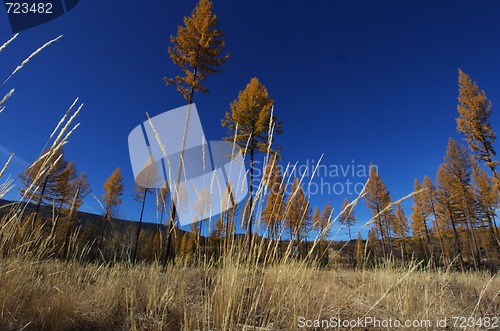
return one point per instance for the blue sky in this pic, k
(369, 81)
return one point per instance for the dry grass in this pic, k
(52, 295)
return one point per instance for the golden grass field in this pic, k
(54, 295)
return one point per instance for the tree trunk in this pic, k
(439, 235)
(103, 231)
(140, 225)
(170, 249)
(457, 239)
(40, 199)
(476, 254)
(250, 205)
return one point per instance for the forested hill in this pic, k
(84, 219)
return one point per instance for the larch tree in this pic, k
(197, 50)
(252, 127)
(324, 226)
(378, 199)
(112, 199)
(146, 179)
(62, 195)
(40, 179)
(218, 229)
(457, 167)
(419, 217)
(273, 213)
(297, 212)
(448, 208)
(400, 222)
(324, 229)
(401, 227)
(316, 223)
(474, 111)
(63, 187)
(418, 230)
(80, 188)
(430, 201)
(225, 224)
(487, 199)
(347, 216)
(316, 219)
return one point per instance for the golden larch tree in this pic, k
(324, 226)
(457, 167)
(146, 179)
(347, 216)
(316, 219)
(324, 229)
(315, 222)
(378, 200)
(112, 199)
(474, 111)
(80, 188)
(62, 195)
(40, 179)
(419, 217)
(273, 213)
(197, 50)
(400, 223)
(430, 201)
(252, 127)
(401, 228)
(448, 209)
(487, 198)
(228, 216)
(63, 187)
(297, 212)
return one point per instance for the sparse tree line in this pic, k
(453, 219)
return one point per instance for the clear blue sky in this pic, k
(369, 81)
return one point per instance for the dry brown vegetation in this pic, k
(54, 295)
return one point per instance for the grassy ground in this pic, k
(53, 295)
